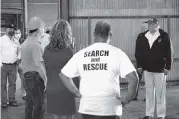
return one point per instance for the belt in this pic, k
(31, 73)
(9, 63)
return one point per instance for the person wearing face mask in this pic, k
(10, 57)
(32, 63)
(60, 101)
(154, 54)
(18, 41)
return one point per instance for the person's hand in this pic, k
(45, 84)
(166, 71)
(140, 70)
(18, 61)
(45, 89)
(124, 101)
(77, 94)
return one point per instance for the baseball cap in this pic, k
(154, 20)
(11, 26)
(35, 23)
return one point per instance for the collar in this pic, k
(6, 36)
(156, 34)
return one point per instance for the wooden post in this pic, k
(25, 16)
(64, 9)
(58, 10)
(17, 20)
(168, 25)
(89, 31)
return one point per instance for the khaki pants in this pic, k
(155, 89)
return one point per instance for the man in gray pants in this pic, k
(10, 58)
(154, 57)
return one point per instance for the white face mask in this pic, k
(42, 31)
(17, 36)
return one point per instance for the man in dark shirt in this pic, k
(154, 57)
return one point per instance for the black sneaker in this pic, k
(24, 98)
(4, 105)
(147, 117)
(135, 99)
(13, 104)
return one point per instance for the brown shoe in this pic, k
(13, 104)
(4, 105)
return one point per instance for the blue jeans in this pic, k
(8, 73)
(35, 106)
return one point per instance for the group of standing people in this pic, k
(48, 72)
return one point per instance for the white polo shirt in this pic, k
(152, 37)
(9, 50)
(99, 66)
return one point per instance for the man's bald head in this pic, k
(103, 30)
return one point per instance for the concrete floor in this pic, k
(135, 110)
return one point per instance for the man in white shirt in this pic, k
(154, 57)
(99, 67)
(10, 56)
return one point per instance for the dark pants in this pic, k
(85, 116)
(140, 78)
(8, 71)
(35, 106)
(20, 71)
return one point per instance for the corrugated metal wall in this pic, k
(80, 32)
(126, 19)
(45, 9)
(13, 4)
(123, 7)
(174, 35)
